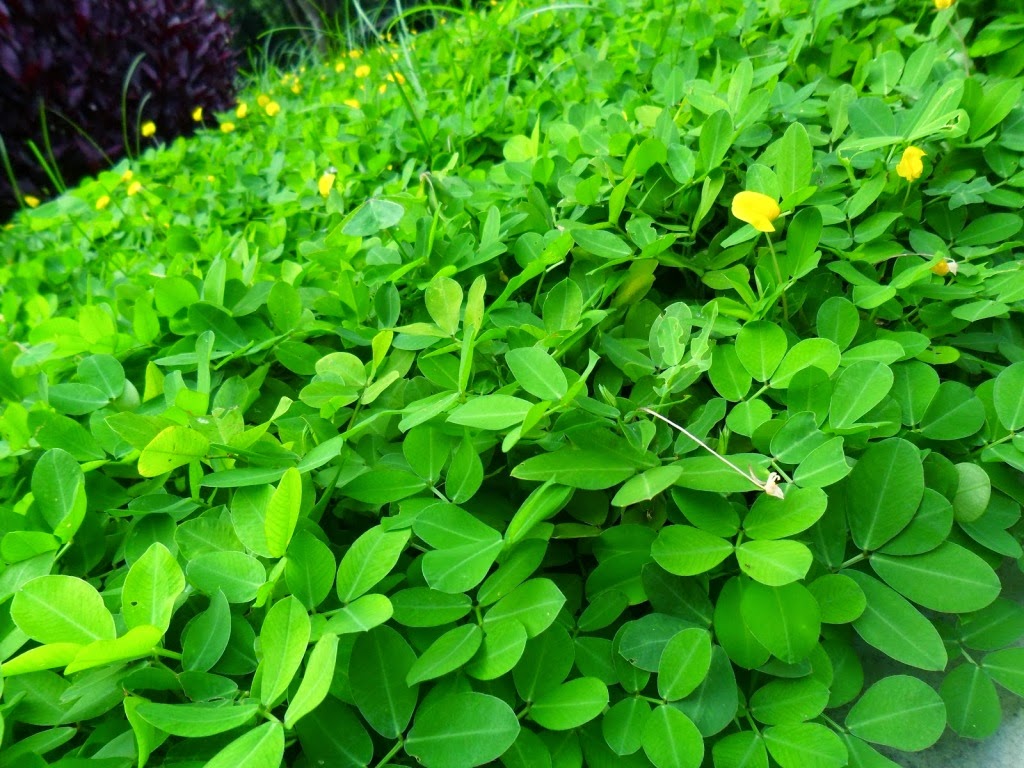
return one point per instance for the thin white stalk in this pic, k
(770, 486)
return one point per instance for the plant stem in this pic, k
(394, 751)
(778, 274)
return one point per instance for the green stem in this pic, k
(394, 751)
(854, 560)
(778, 274)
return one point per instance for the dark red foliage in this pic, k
(70, 59)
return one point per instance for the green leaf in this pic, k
(1006, 397)
(262, 747)
(623, 724)
(896, 628)
(238, 575)
(446, 654)
(840, 598)
(774, 562)
(465, 473)
(824, 466)
(207, 635)
(793, 162)
(381, 660)
(570, 705)
(805, 745)
(972, 702)
(151, 587)
(198, 720)
(684, 664)
(173, 447)
(61, 609)
(491, 412)
(601, 243)
(858, 389)
(443, 298)
(462, 730)
(683, 550)
(786, 702)
(546, 663)
(282, 512)
(103, 372)
(728, 375)
(134, 644)
(760, 346)
(544, 502)
(425, 607)
(534, 603)
(538, 373)
(361, 615)
(818, 353)
(316, 680)
(76, 399)
(883, 492)
(708, 473)
(332, 734)
(671, 740)
(309, 570)
(502, 648)
(1006, 667)
(646, 485)
(589, 468)
(899, 711)
(373, 216)
(772, 518)
(283, 640)
(40, 658)
(58, 485)
(949, 578)
(786, 620)
(953, 414)
(743, 749)
(370, 558)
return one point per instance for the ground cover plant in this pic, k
(635, 383)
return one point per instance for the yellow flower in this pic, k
(382, 88)
(102, 202)
(910, 166)
(272, 108)
(127, 175)
(756, 209)
(398, 77)
(355, 54)
(263, 100)
(943, 4)
(227, 127)
(242, 111)
(362, 70)
(31, 201)
(148, 128)
(326, 183)
(946, 267)
(197, 114)
(339, 67)
(296, 87)
(134, 188)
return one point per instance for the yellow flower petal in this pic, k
(946, 267)
(263, 100)
(31, 201)
(943, 4)
(362, 70)
(326, 184)
(127, 175)
(134, 188)
(339, 67)
(910, 166)
(756, 209)
(272, 108)
(227, 127)
(148, 128)
(102, 202)
(354, 103)
(242, 110)
(197, 114)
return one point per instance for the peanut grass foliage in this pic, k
(336, 434)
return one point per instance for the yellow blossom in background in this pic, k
(354, 103)
(382, 88)
(31, 201)
(102, 202)
(272, 108)
(148, 128)
(326, 183)
(242, 110)
(946, 267)
(227, 127)
(397, 77)
(127, 175)
(197, 114)
(355, 54)
(263, 99)
(910, 166)
(362, 70)
(134, 188)
(211, 178)
(296, 87)
(943, 4)
(756, 209)
(339, 67)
